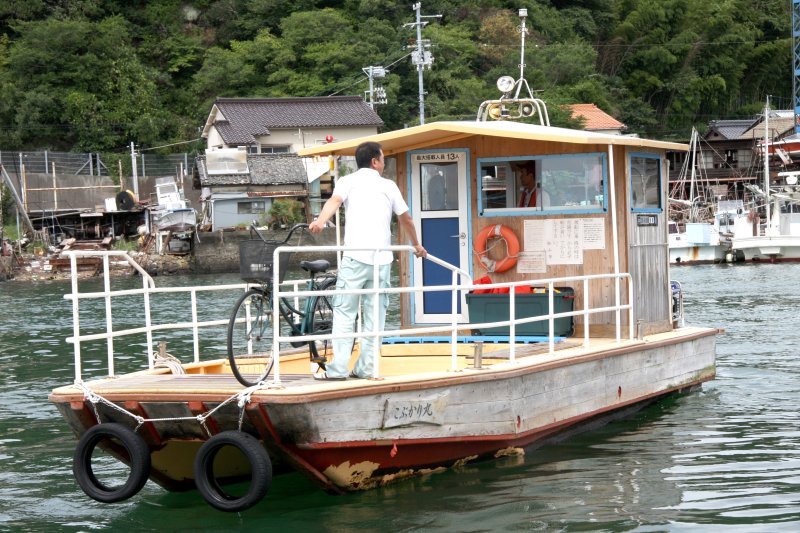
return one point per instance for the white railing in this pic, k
(457, 289)
(148, 289)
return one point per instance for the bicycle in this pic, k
(250, 332)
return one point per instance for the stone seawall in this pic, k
(218, 252)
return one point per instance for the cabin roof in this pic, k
(442, 132)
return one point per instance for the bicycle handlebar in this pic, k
(296, 227)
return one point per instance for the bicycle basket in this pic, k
(255, 260)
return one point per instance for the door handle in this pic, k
(459, 236)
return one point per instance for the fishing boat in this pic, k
(700, 226)
(523, 324)
(773, 234)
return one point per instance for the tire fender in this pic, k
(207, 483)
(138, 459)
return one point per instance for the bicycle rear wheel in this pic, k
(321, 323)
(250, 337)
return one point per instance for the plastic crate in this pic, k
(255, 260)
(495, 308)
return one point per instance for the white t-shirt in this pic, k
(369, 201)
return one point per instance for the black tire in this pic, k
(321, 323)
(250, 338)
(209, 486)
(138, 459)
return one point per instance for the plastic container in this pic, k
(255, 260)
(495, 308)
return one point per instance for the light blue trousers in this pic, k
(357, 275)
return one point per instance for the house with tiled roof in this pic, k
(250, 156)
(727, 156)
(595, 119)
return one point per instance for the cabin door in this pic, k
(439, 202)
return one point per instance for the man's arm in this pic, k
(407, 225)
(328, 210)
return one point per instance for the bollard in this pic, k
(477, 356)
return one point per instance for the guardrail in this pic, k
(456, 287)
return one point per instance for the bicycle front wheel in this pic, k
(321, 323)
(250, 337)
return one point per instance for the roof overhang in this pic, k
(212, 117)
(435, 133)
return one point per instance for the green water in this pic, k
(728, 455)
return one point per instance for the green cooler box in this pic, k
(495, 307)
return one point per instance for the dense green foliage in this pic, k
(93, 75)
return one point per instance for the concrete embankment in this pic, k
(218, 252)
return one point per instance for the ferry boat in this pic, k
(523, 323)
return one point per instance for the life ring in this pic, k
(208, 484)
(138, 458)
(512, 247)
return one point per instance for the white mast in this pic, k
(767, 229)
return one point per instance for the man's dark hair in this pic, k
(366, 152)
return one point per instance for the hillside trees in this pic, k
(95, 75)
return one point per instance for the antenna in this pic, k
(511, 107)
(421, 57)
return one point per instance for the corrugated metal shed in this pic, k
(43, 192)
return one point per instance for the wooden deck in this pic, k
(399, 364)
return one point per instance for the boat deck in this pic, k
(399, 364)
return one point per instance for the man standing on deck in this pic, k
(369, 201)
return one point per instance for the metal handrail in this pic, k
(457, 288)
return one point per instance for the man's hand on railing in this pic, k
(420, 251)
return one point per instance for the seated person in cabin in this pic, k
(531, 193)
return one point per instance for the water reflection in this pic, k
(728, 455)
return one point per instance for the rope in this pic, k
(166, 360)
(242, 398)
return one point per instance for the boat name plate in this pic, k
(646, 220)
(417, 411)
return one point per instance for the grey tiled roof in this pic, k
(250, 117)
(265, 169)
(731, 129)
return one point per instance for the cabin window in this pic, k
(570, 183)
(645, 182)
(439, 186)
(251, 208)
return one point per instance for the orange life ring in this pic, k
(512, 248)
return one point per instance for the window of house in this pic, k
(566, 183)
(270, 149)
(645, 172)
(251, 207)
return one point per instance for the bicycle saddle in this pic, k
(318, 265)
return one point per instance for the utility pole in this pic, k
(377, 94)
(421, 57)
(134, 177)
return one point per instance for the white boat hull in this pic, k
(773, 249)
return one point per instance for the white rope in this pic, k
(242, 398)
(168, 361)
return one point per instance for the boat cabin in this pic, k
(573, 203)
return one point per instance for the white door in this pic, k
(440, 203)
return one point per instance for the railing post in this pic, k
(195, 332)
(109, 328)
(147, 322)
(586, 314)
(512, 328)
(630, 311)
(276, 328)
(550, 320)
(454, 322)
(76, 322)
(617, 300)
(376, 323)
